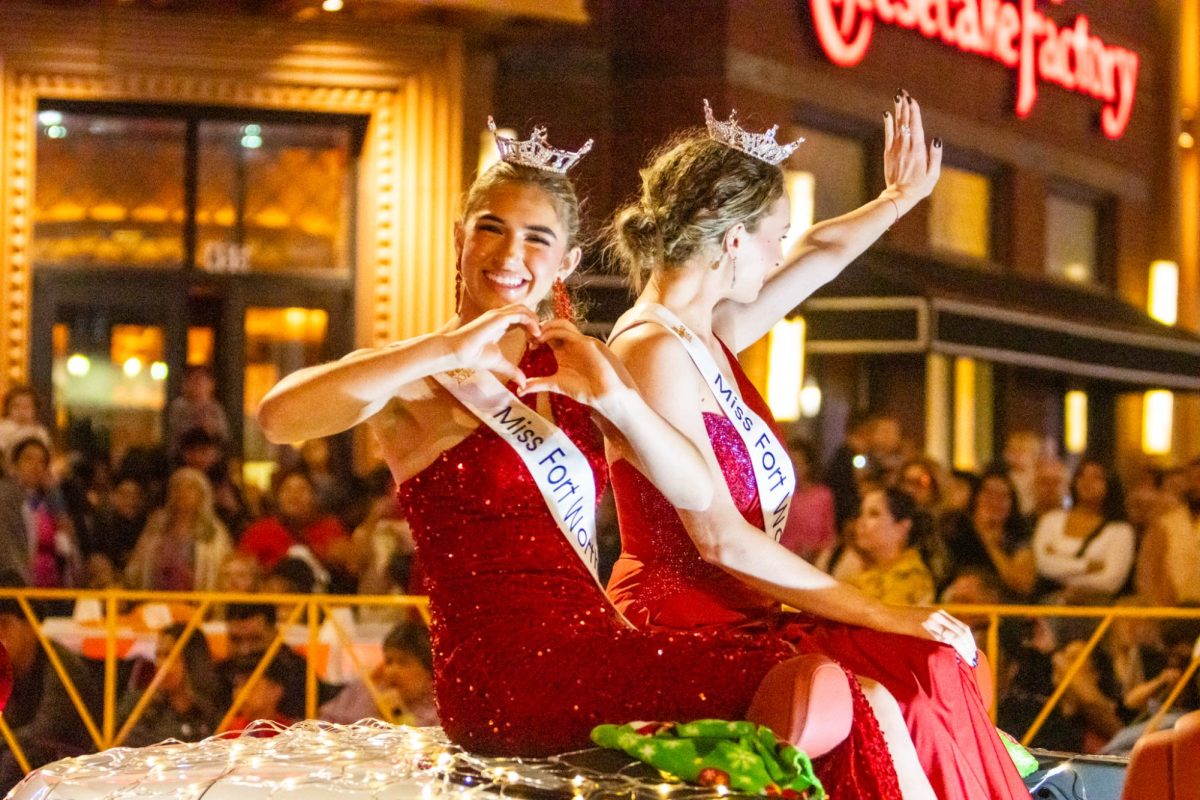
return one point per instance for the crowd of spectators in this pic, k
(180, 518)
(1032, 529)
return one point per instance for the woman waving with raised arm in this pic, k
(488, 427)
(707, 231)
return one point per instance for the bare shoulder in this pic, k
(650, 349)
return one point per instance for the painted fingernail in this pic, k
(937, 142)
(897, 97)
(887, 115)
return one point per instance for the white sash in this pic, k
(562, 473)
(773, 472)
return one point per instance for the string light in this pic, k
(369, 759)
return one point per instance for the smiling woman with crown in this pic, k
(489, 426)
(707, 230)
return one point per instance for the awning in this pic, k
(895, 303)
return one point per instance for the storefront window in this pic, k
(1072, 230)
(960, 214)
(272, 197)
(110, 191)
(279, 341)
(109, 378)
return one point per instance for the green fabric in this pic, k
(1025, 761)
(712, 752)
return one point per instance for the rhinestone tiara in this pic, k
(536, 151)
(760, 145)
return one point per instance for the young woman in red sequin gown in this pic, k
(529, 654)
(708, 229)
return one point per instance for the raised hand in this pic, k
(476, 345)
(587, 371)
(910, 167)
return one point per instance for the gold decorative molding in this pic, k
(409, 83)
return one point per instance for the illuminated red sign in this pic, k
(1014, 33)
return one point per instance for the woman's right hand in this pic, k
(476, 345)
(939, 626)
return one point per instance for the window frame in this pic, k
(1104, 277)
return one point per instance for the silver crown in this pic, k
(536, 151)
(760, 145)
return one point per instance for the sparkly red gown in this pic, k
(528, 653)
(661, 583)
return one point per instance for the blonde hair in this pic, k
(693, 192)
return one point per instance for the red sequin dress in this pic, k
(660, 582)
(528, 653)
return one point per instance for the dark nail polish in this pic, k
(887, 115)
(897, 97)
(937, 142)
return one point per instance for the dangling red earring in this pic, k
(458, 291)
(563, 308)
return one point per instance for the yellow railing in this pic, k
(307, 607)
(312, 610)
(1105, 617)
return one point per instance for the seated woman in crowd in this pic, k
(299, 521)
(1084, 555)
(992, 535)
(887, 534)
(53, 549)
(812, 521)
(403, 681)
(185, 705)
(184, 542)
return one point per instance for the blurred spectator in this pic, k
(185, 705)
(118, 523)
(920, 478)
(961, 486)
(842, 471)
(331, 487)
(383, 536)
(40, 712)
(299, 521)
(1191, 486)
(269, 695)
(20, 420)
(195, 408)
(404, 681)
(290, 576)
(1088, 709)
(251, 628)
(55, 558)
(811, 524)
(15, 560)
(1049, 489)
(239, 572)
(1022, 451)
(1167, 565)
(887, 531)
(992, 535)
(198, 449)
(886, 450)
(1085, 554)
(184, 542)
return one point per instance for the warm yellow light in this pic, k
(1186, 140)
(810, 398)
(1163, 304)
(132, 367)
(964, 414)
(158, 370)
(1158, 417)
(802, 190)
(332, 5)
(1075, 418)
(785, 368)
(489, 154)
(78, 365)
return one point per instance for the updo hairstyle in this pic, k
(693, 192)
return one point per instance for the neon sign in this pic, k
(1014, 33)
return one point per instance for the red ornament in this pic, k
(711, 776)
